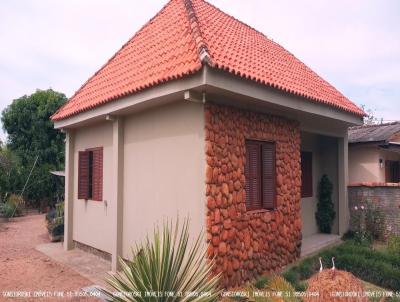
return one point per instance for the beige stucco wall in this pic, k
(164, 174)
(309, 143)
(92, 220)
(364, 164)
(325, 161)
(164, 169)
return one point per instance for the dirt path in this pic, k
(23, 269)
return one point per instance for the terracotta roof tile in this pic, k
(186, 34)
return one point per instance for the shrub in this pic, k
(301, 286)
(307, 267)
(58, 230)
(349, 235)
(290, 276)
(55, 221)
(51, 215)
(325, 208)
(393, 244)
(363, 238)
(368, 220)
(7, 210)
(165, 263)
(12, 206)
(279, 284)
(261, 282)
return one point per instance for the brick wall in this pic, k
(384, 197)
(246, 244)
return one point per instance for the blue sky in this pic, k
(354, 45)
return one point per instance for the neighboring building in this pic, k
(201, 115)
(374, 153)
(374, 178)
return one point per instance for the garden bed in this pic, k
(377, 266)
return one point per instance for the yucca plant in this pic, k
(167, 266)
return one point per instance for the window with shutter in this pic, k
(97, 172)
(392, 171)
(306, 174)
(268, 175)
(260, 175)
(90, 174)
(83, 175)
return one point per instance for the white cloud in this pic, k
(59, 44)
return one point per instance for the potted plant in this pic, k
(55, 222)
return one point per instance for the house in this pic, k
(374, 173)
(199, 114)
(374, 153)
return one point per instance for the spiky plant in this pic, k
(167, 265)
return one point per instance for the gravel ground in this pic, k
(23, 269)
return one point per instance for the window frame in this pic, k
(392, 171)
(310, 186)
(92, 177)
(264, 204)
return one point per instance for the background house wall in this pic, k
(163, 169)
(386, 155)
(364, 164)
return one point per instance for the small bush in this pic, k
(261, 282)
(55, 220)
(349, 235)
(58, 230)
(7, 210)
(325, 214)
(363, 238)
(307, 267)
(165, 262)
(12, 206)
(290, 276)
(301, 286)
(17, 203)
(393, 244)
(51, 215)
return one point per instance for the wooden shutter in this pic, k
(388, 172)
(253, 176)
(268, 175)
(395, 171)
(83, 175)
(97, 176)
(306, 174)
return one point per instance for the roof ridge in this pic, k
(202, 46)
(271, 40)
(375, 125)
(112, 57)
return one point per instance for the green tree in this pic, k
(31, 134)
(9, 174)
(325, 208)
(370, 118)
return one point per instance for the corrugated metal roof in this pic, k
(373, 133)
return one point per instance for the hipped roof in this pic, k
(183, 37)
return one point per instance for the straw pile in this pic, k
(331, 283)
